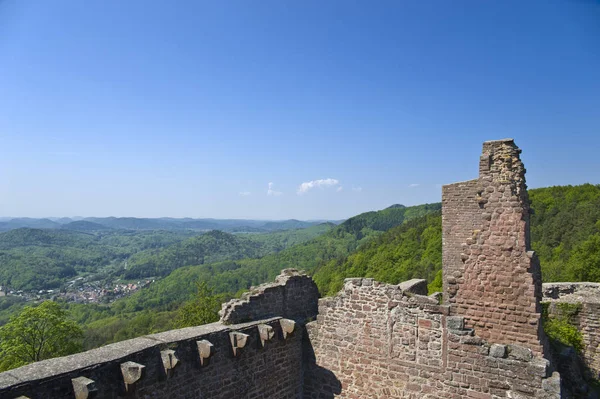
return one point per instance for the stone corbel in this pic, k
(266, 333)
(84, 388)
(132, 372)
(238, 341)
(287, 327)
(205, 350)
(169, 360)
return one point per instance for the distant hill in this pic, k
(17, 223)
(131, 223)
(287, 225)
(216, 246)
(24, 237)
(84, 225)
(395, 206)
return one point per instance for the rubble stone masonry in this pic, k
(376, 341)
(293, 295)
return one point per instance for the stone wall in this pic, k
(586, 319)
(375, 340)
(491, 276)
(293, 295)
(252, 360)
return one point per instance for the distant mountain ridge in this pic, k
(132, 223)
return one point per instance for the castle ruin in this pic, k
(372, 340)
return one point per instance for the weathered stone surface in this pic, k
(238, 341)
(497, 350)
(84, 388)
(293, 295)
(519, 353)
(287, 327)
(266, 333)
(455, 322)
(205, 351)
(132, 372)
(414, 286)
(169, 359)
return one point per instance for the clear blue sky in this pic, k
(191, 108)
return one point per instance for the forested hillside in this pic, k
(411, 250)
(36, 259)
(215, 246)
(565, 231)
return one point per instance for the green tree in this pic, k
(203, 309)
(38, 333)
(584, 264)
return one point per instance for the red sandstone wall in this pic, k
(460, 218)
(372, 341)
(293, 295)
(492, 278)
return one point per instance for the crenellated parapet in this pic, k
(293, 295)
(256, 359)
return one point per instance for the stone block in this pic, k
(238, 341)
(414, 286)
(497, 350)
(287, 327)
(131, 372)
(265, 332)
(521, 353)
(455, 322)
(84, 388)
(169, 360)
(551, 386)
(205, 351)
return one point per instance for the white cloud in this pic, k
(357, 189)
(340, 188)
(414, 185)
(321, 183)
(245, 194)
(271, 191)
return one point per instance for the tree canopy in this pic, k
(38, 333)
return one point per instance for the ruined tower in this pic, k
(491, 276)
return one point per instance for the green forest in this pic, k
(197, 271)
